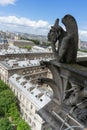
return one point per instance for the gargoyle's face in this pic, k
(53, 35)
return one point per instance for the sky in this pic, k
(37, 16)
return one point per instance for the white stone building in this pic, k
(26, 67)
(31, 98)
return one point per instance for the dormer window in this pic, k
(41, 100)
(17, 78)
(39, 95)
(32, 93)
(24, 72)
(23, 83)
(30, 89)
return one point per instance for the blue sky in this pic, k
(36, 16)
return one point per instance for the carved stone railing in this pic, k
(69, 85)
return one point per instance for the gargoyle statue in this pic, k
(66, 52)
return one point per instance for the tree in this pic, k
(28, 47)
(5, 124)
(23, 126)
(14, 113)
(3, 86)
(6, 99)
(37, 42)
(9, 109)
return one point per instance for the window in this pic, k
(41, 100)
(24, 86)
(32, 93)
(31, 106)
(24, 72)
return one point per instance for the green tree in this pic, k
(6, 99)
(9, 109)
(14, 113)
(2, 112)
(23, 126)
(37, 42)
(48, 44)
(3, 86)
(82, 50)
(28, 47)
(5, 124)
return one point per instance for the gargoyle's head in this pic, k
(54, 32)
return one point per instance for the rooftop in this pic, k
(15, 50)
(9, 64)
(17, 63)
(38, 96)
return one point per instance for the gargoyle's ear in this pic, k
(56, 23)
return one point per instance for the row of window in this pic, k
(34, 70)
(22, 98)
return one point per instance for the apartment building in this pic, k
(30, 69)
(31, 98)
(5, 54)
(21, 43)
(21, 69)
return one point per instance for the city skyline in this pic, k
(36, 17)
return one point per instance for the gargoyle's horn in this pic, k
(56, 23)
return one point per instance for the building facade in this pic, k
(30, 69)
(21, 69)
(31, 99)
(22, 55)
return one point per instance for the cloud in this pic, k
(24, 24)
(7, 2)
(83, 35)
(23, 21)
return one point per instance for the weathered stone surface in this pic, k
(69, 82)
(66, 50)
